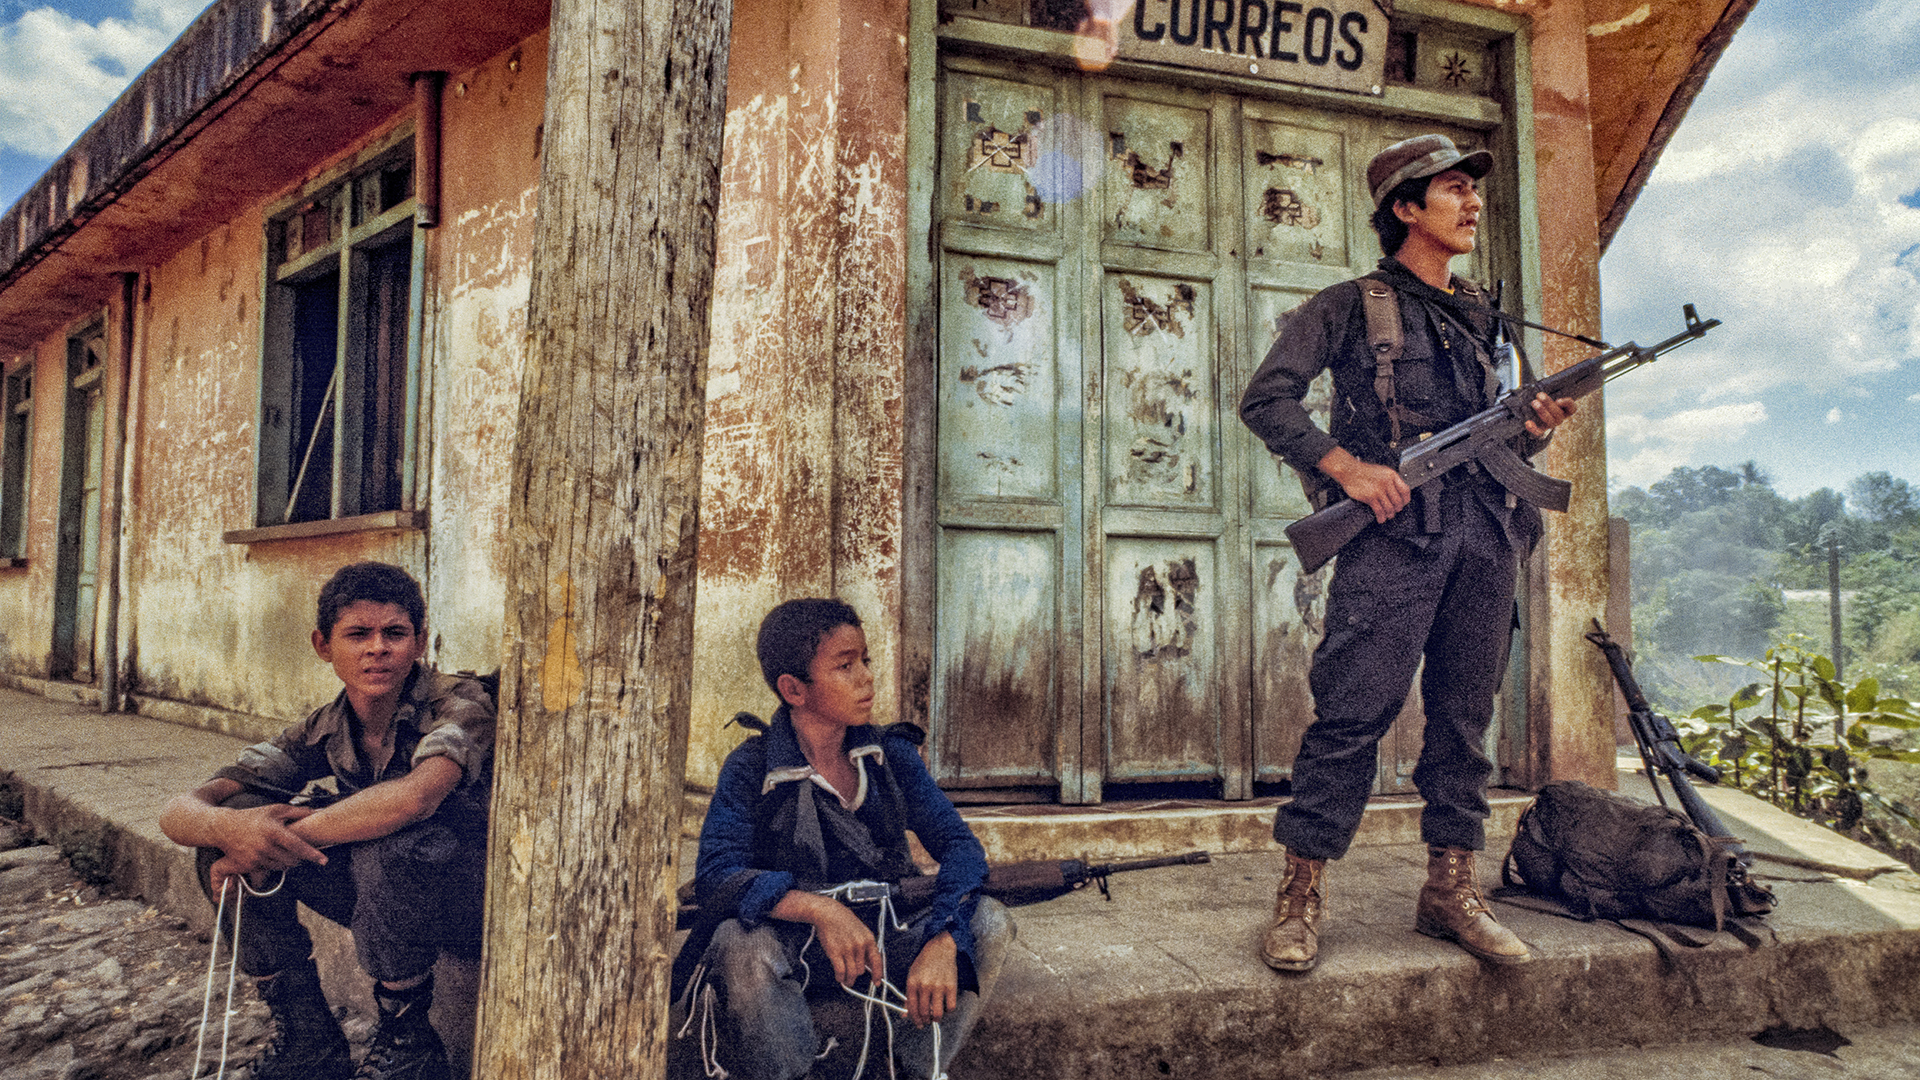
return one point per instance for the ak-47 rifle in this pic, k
(1660, 752)
(1032, 881)
(1038, 880)
(1484, 437)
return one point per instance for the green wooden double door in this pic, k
(1115, 600)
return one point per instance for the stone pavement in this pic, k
(1164, 981)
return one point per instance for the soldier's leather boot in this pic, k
(1292, 942)
(1452, 908)
(405, 1046)
(306, 1043)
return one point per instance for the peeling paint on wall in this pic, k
(800, 488)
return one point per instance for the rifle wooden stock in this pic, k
(1485, 437)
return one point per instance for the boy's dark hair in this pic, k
(1393, 231)
(382, 583)
(791, 634)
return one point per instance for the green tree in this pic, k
(1884, 500)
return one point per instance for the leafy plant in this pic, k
(1806, 743)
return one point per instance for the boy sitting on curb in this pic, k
(399, 857)
(821, 799)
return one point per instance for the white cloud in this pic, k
(1718, 423)
(58, 73)
(1834, 415)
(1913, 397)
(1778, 209)
(1664, 443)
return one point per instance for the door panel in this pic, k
(998, 381)
(1162, 660)
(1158, 189)
(997, 655)
(988, 148)
(1161, 412)
(1296, 193)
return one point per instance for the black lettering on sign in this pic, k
(1228, 35)
(1219, 29)
(1320, 24)
(1351, 23)
(1140, 24)
(1253, 23)
(1192, 33)
(1283, 25)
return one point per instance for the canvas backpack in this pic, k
(1604, 856)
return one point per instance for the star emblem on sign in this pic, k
(1456, 70)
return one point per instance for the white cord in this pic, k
(700, 998)
(233, 965)
(883, 987)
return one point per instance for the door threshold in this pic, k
(1149, 828)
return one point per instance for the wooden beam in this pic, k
(602, 524)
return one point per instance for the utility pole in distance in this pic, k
(603, 523)
(1830, 536)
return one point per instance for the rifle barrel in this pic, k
(1190, 858)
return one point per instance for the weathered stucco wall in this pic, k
(225, 625)
(207, 622)
(482, 278)
(801, 487)
(26, 593)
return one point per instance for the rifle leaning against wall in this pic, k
(1660, 752)
(1484, 437)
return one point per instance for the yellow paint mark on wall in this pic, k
(561, 676)
(1633, 18)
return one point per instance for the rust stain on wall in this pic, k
(1144, 316)
(1164, 614)
(1005, 302)
(1285, 207)
(1141, 174)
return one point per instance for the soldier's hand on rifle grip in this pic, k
(1381, 489)
(1551, 413)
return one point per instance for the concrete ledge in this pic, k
(247, 727)
(52, 689)
(1165, 980)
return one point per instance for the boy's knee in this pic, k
(993, 931)
(747, 962)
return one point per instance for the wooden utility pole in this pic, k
(603, 521)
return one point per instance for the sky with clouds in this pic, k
(1787, 206)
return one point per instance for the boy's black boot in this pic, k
(307, 1043)
(405, 1046)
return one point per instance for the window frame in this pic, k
(16, 459)
(366, 222)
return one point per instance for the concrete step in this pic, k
(1164, 980)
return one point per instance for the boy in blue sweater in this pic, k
(821, 799)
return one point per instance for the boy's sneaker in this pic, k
(405, 1046)
(306, 1043)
